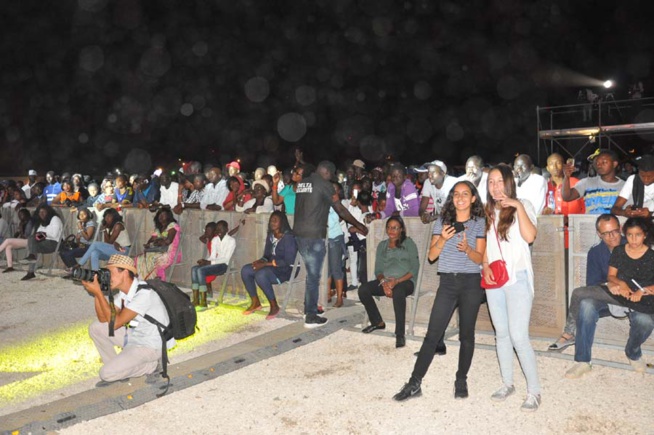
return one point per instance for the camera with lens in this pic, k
(104, 277)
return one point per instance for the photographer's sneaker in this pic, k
(103, 384)
(314, 321)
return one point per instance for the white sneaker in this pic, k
(531, 403)
(504, 392)
(639, 365)
(578, 370)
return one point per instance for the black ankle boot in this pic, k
(400, 341)
(410, 389)
(460, 389)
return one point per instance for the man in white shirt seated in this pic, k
(139, 339)
(222, 249)
(530, 186)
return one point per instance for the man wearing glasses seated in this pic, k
(597, 269)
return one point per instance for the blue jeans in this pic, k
(100, 251)
(313, 254)
(264, 278)
(199, 275)
(335, 257)
(510, 310)
(590, 310)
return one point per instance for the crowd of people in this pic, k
(484, 222)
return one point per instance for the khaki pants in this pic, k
(131, 362)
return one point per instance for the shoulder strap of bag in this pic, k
(497, 237)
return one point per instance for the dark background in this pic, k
(89, 85)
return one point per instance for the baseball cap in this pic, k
(440, 165)
(32, 173)
(359, 164)
(234, 164)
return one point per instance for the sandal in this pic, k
(562, 343)
(330, 295)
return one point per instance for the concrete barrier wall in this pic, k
(551, 270)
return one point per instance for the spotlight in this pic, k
(608, 84)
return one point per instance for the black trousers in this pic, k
(460, 290)
(400, 293)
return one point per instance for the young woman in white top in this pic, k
(510, 229)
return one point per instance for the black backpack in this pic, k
(182, 315)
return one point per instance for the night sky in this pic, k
(90, 85)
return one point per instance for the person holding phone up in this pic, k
(459, 242)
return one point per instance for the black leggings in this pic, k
(460, 290)
(400, 293)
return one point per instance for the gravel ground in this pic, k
(343, 384)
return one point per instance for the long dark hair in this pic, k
(50, 214)
(116, 217)
(283, 219)
(643, 224)
(448, 215)
(507, 214)
(400, 221)
(171, 218)
(89, 214)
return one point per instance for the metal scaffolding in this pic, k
(605, 123)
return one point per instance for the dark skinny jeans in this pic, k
(460, 290)
(400, 293)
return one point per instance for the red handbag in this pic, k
(498, 267)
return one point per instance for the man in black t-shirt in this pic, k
(314, 196)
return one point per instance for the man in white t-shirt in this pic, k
(530, 186)
(139, 339)
(639, 190)
(215, 191)
(27, 188)
(169, 191)
(437, 187)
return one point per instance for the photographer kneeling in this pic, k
(138, 337)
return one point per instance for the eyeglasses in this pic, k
(394, 228)
(611, 233)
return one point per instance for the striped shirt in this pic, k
(451, 260)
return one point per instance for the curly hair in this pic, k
(448, 215)
(171, 218)
(50, 214)
(507, 214)
(116, 217)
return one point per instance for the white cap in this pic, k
(32, 173)
(440, 165)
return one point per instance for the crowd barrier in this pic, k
(553, 274)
